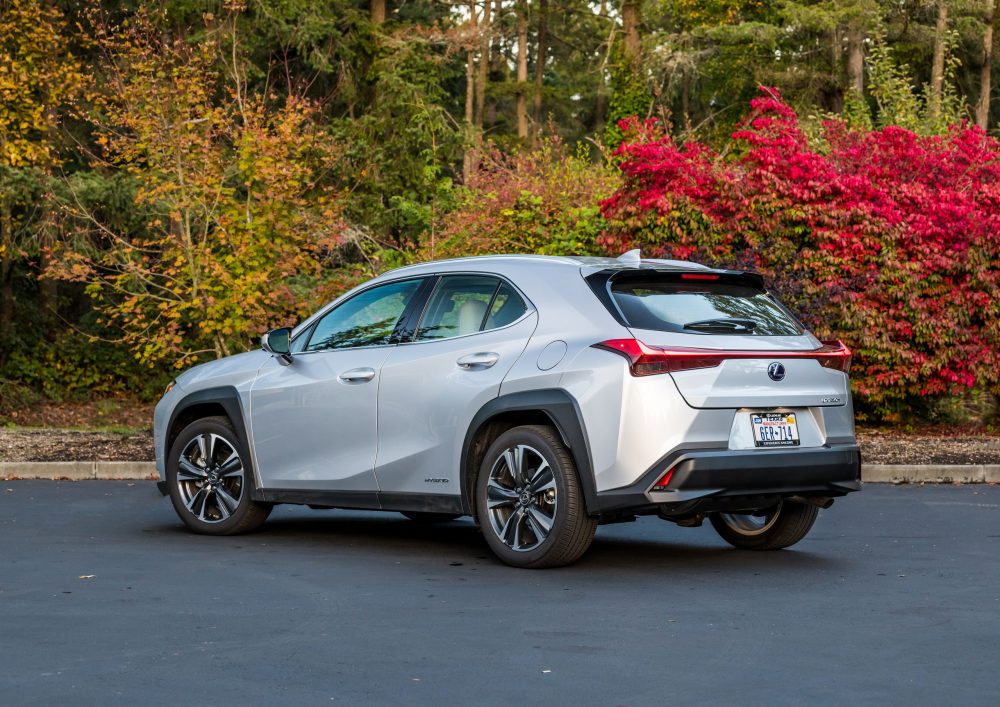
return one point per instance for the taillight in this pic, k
(646, 360)
(835, 355)
(698, 276)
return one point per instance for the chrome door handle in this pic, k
(483, 359)
(358, 375)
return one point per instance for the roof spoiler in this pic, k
(678, 269)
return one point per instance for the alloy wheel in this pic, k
(210, 478)
(521, 498)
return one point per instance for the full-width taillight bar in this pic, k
(646, 360)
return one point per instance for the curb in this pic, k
(871, 473)
(78, 471)
(931, 473)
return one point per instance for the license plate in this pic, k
(774, 429)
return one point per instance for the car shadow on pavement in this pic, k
(389, 536)
(622, 554)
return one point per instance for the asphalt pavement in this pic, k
(894, 598)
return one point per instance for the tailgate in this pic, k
(766, 373)
(725, 340)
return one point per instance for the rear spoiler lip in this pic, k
(646, 266)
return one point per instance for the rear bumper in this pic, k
(703, 476)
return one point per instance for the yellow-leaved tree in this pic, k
(239, 218)
(40, 79)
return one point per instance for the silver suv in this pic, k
(542, 396)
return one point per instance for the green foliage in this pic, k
(77, 366)
(857, 114)
(629, 96)
(398, 153)
(899, 102)
(545, 201)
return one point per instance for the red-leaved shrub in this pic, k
(886, 239)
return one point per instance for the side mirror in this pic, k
(277, 342)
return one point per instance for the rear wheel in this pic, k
(529, 502)
(773, 528)
(429, 518)
(209, 481)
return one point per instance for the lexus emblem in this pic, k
(776, 371)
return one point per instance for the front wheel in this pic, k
(529, 502)
(210, 482)
(773, 528)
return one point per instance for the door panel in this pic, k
(314, 421)
(428, 394)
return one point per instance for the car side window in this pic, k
(367, 319)
(466, 304)
(507, 308)
(458, 307)
(298, 344)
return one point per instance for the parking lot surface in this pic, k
(894, 598)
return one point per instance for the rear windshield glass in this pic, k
(701, 308)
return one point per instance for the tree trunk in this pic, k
(48, 287)
(469, 158)
(937, 66)
(631, 16)
(686, 100)
(376, 11)
(856, 60)
(522, 69)
(601, 97)
(470, 69)
(543, 38)
(498, 67)
(6, 266)
(484, 65)
(600, 104)
(983, 104)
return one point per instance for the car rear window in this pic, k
(700, 307)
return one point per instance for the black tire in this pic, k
(211, 494)
(782, 527)
(430, 518)
(515, 526)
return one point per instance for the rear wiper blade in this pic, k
(733, 324)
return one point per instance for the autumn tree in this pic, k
(40, 78)
(238, 216)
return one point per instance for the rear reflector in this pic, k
(664, 481)
(646, 360)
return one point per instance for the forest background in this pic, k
(176, 177)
